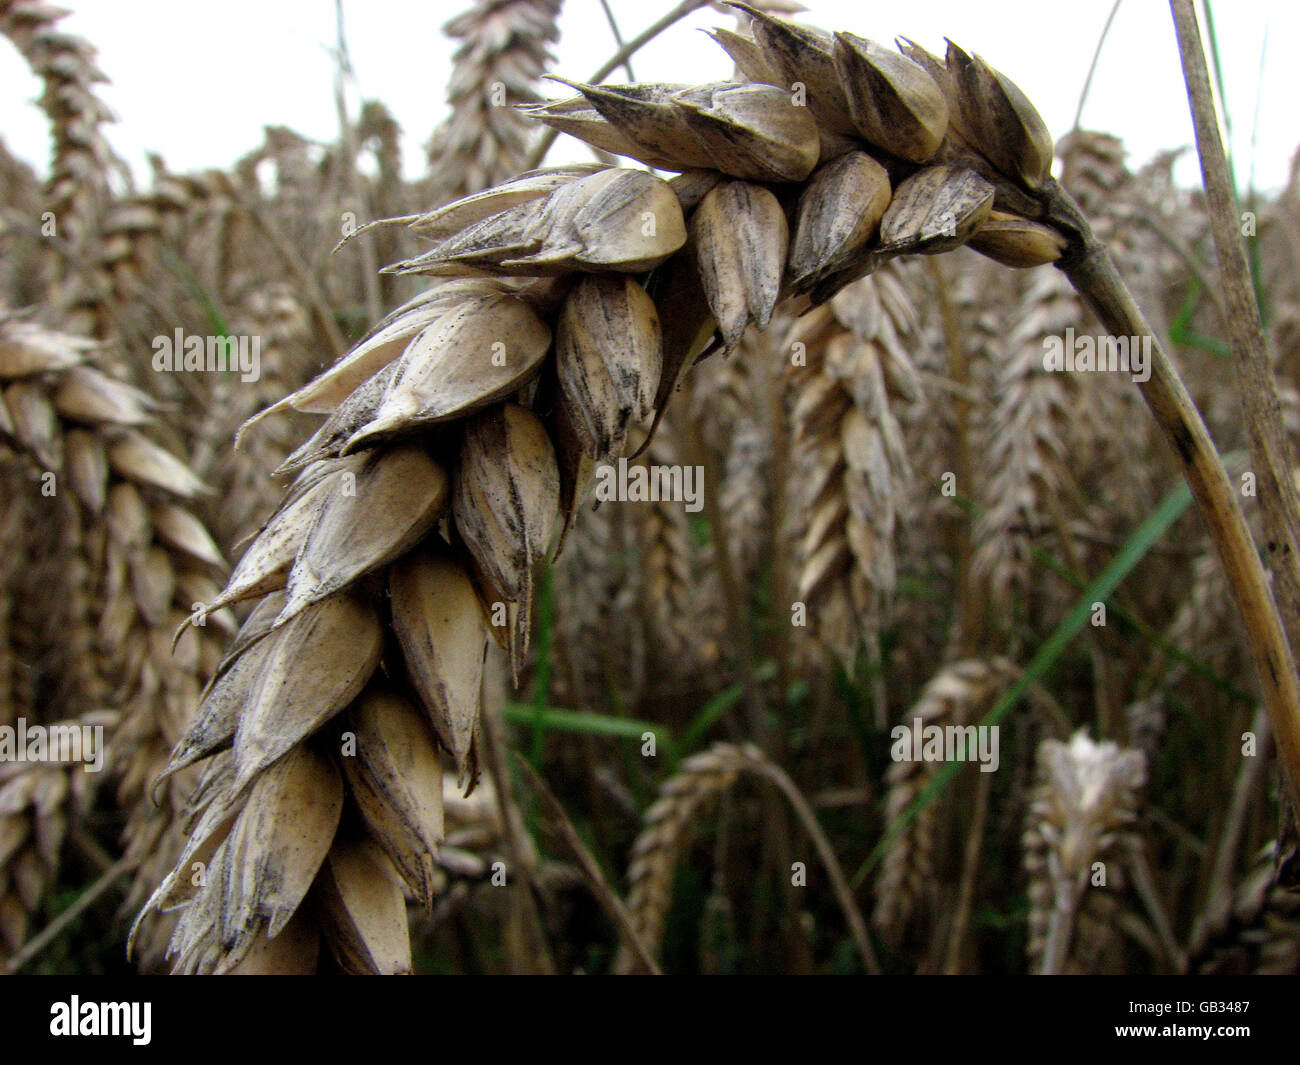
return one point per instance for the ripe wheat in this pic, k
(460, 436)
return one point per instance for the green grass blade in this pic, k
(1150, 531)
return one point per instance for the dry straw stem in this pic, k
(1094, 275)
(670, 822)
(1279, 499)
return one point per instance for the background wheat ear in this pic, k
(907, 881)
(77, 189)
(138, 561)
(1082, 812)
(504, 50)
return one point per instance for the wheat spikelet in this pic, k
(1082, 813)
(461, 435)
(504, 51)
(957, 695)
(82, 158)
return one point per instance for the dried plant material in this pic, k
(749, 131)
(78, 185)
(1084, 805)
(506, 503)
(1000, 121)
(460, 214)
(396, 778)
(905, 884)
(503, 51)
(364, 911)
(316, 663)
(1257, 933)
(795, 55)
(935, 210)
(838, 217)
(439, 621)
(278, 842)
(894, 102)
(740, 237)
(624, 220)
(402, 483)
(852, 459)
(609, 356)
(1017, 242)
(478, 354)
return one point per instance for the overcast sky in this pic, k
(197, 82)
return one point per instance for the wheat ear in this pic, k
(667, 830)
(504, 50)
(77, 189)
(956, 695)
(567, 305)
(1082, 813)
(144, 559)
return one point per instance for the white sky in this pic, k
(197, 82)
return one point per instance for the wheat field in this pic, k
(687, 529)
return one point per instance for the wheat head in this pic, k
(461, 434)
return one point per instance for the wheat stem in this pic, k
(1096, 279)
(55, 928)
(613, 906)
